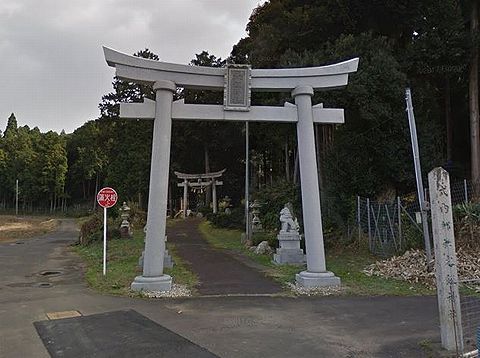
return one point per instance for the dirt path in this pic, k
(13, 228)
(219, 272)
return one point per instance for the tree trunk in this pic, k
(473, 101)
(296, 171)
(88, 188)
(448, 119)
(287, 163)
(95, 194)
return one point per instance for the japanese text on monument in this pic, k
(238, 87)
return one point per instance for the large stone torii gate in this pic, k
(236, 81)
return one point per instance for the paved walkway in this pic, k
(233, 327)
(218, 271)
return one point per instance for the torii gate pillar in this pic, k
(316, 274)
(153, 278)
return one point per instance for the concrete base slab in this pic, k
(317, 279)
(157, 283)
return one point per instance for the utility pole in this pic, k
(16, 198)
(418, 176)
(247, 173)
(473, 102)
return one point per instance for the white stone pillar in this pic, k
(316, 274)
(445, 260)
(214, 195)
(153, 278)
(185, 198)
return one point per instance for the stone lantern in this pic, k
(125, 228)
(256, 224)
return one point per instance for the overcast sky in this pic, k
(52, 69)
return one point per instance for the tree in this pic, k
(87, 160)
(473, 99)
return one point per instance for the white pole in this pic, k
(16, 198)
(104, 241)
(418, 175)
(247, 229)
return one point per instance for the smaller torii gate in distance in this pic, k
(199, 180)
(236, 82)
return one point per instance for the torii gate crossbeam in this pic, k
(166, 77)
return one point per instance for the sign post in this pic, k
(106, 198)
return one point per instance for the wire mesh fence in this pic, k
(382, 223)
(390, 224)
(470, 313)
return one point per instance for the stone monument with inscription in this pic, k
(289, 238)
(446, 271)
(236, 81)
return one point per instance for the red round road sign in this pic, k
(107, 197)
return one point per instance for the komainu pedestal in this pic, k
(289, 251)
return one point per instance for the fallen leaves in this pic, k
(411, 267)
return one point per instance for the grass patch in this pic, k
(122, 265)
(345, 262)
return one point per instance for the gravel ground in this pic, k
(317, 291)
(176, 291)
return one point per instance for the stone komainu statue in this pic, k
(288, 222)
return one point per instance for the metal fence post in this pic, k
(359, 219)
(465, 189)
(399, 213)
(369, 227)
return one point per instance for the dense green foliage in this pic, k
(38, 161)
(423, 44)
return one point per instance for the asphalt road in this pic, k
(226, 326)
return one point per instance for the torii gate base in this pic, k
(236, 82)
